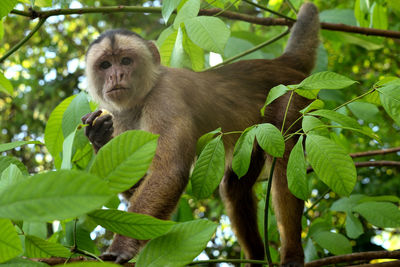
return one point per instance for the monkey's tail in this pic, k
(301, 49)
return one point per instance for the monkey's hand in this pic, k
(122, 249)
(100, 128)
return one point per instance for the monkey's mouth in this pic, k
(115, 89)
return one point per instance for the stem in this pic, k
(291, 6)
(24, 40)
(266, 247)
(299, 118)
(268, 10)
(233, 132)
(229, 60)
(225, 9)
(286, 111)
(356, 98)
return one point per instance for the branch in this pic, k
(375, 152)
(59, 260)
(209, 12)
(378, 163)
(371, 255)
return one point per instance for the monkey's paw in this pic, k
(121, 250)
(100, 128)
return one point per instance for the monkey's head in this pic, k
(121, 69)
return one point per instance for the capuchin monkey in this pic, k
(126, 78)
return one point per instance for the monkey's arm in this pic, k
(159, 192)
(99, 130)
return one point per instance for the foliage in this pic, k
(50, 174)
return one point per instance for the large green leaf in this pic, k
(209, 169)
(354, 227)
(167, 45)
(188, 11)
(125, 159)
(297, 172)
(10, 245)
(337, 117)
(67, 151)
(7, 161)
(273, 94)
(12, 174)
(195, 53)
(36, 247)
(335, 243)
(179, 246)
(53, 195)
(6, 6)
(331, 163)
(390, 98)
(209, 33)
(242, 152)
(310, 123)
(53, 135)
(204, 139)
(135, 225)
(381, 214)
(5, 85)
(270, 139)
(178, 53)
(325, 80)
(8, 146)
(78, 107)
(379, 16)
(168, 6)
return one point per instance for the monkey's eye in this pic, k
(105, 65)
(126, 61)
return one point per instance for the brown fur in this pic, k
(181, 105)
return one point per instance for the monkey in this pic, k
(125, 77)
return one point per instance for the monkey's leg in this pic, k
(288, 210)
(158, 193)
(241, 206)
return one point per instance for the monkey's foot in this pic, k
(121, 250)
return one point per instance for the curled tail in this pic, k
(301, 50)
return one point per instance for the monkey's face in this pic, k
(120, 70)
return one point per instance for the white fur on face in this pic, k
(145, 73)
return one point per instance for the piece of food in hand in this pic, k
(103, 112)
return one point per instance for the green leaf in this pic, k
(381, 214)
(12, 174)
(273, 94)
(361, 12)
(270, 139)
(125, 159)
(135, 225)
(354, 227)
(179, 246)
(204, 139)
(242, 151)
(67, 151)
(178, 55)
(7, 161)
(20, 262)
(53, 135)
(5, 84)
(390, 98)
(38, 229)
(316, 104)
(335, 243)
(44, 3)
(209, 169)
(167, 46)
(379, 16)
(9, 146)
(209, 33)
(331, 163)
(195, 53)
(309, 94)
(346, 204)
(53, 195)
(315, 125)
(78, 107)
(325, 80)
(365, 111)
(168, 6)
(6, 6)
(337, 117)
(297, 172)
(36, 247)
(188, 11)
(10, 245)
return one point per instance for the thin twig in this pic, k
(371, 255)
(375, 152)
(269, 10)
(378, 163)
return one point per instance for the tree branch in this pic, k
(209, 12)
(371, 255)
(378, 163)
(375, 152)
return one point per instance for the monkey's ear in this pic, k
(154, 51)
